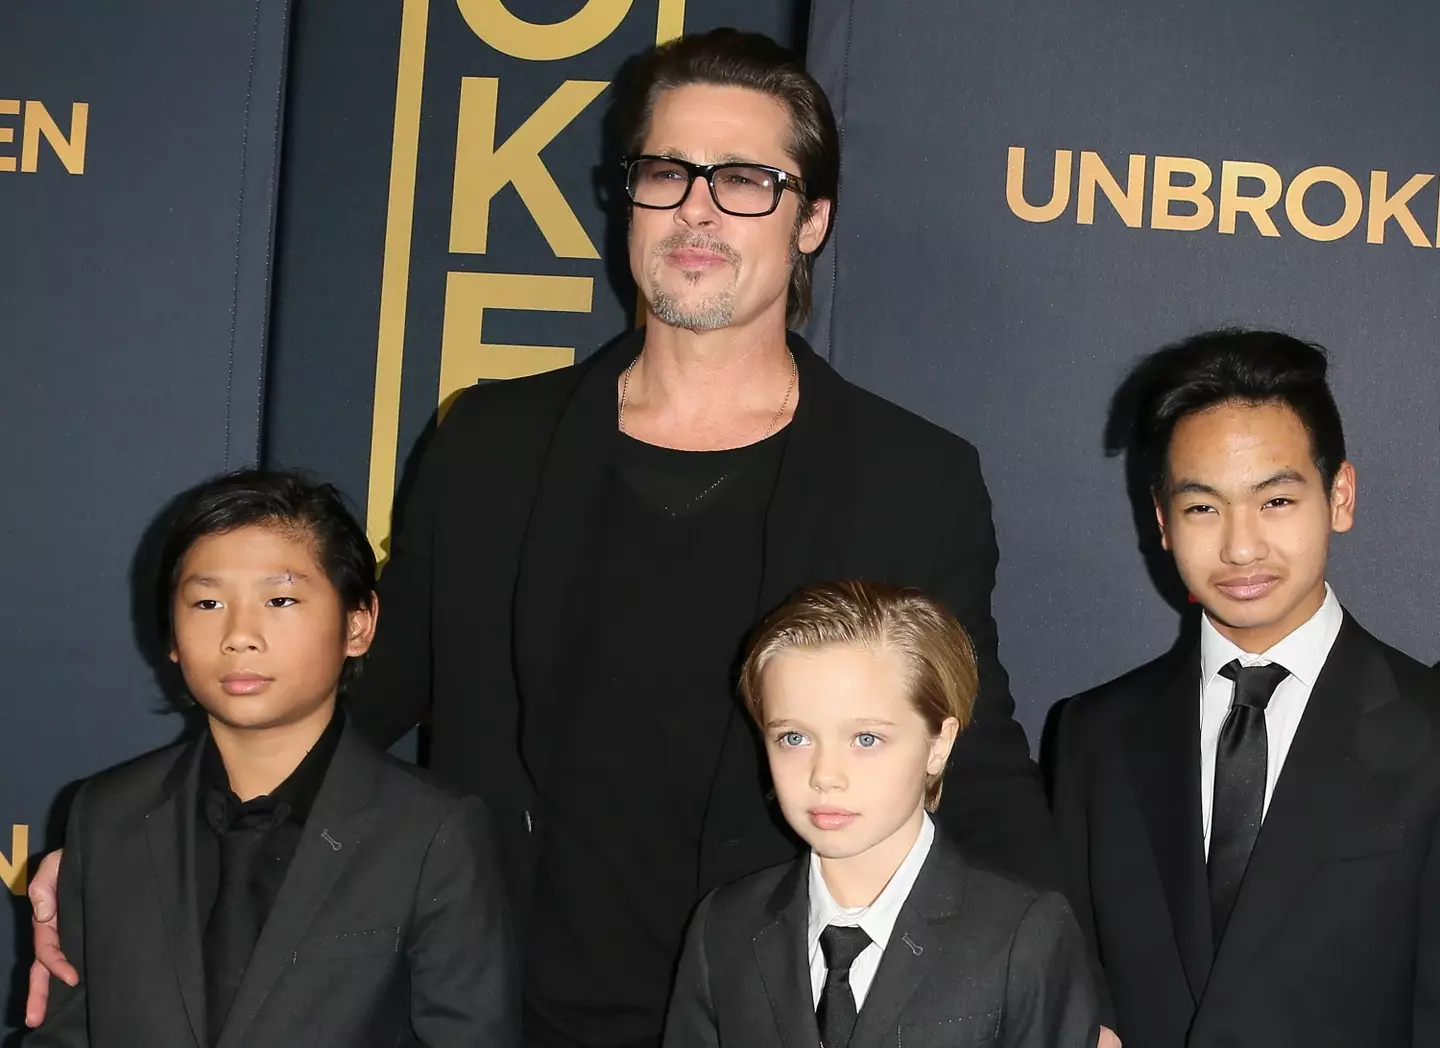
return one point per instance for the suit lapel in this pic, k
(915, 943)
(784, 966)
(1320, 781)
(332, 837)
(550, 554)
(170, 837)
(1163, 749)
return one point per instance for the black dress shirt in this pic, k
(243, 851)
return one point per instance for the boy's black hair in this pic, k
(1231, 364)
(281, 499)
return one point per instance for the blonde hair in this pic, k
(941, 676)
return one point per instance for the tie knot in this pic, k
(841, 945)
(1254, 684)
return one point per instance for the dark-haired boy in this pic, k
(299, 887)
(1250, 825)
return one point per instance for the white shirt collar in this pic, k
(878, 919)
(1302, 651)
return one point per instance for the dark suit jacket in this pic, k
(390, 929)
(490, 541)
(1335, 936)
(975, 959)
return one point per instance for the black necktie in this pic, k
(1239, 799)
(836, 1011)
(244, 832)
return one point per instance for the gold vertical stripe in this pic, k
(395, 276)
(669, 20)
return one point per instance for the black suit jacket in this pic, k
(390, 929)
(490, 542)
(1335, 936)
(975, 959)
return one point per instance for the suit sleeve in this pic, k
(993, 803)
(66, 1022)
(393, 693)
(1049, 999)
(464, 983)
(1425, 1024)
(1071, 806)
(690, 1021)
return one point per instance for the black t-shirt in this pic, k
(652, 636)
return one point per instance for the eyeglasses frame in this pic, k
(783, 180)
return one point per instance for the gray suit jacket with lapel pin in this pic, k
(975, 960)
(391, 927)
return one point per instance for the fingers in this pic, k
(38, 996)
(1108, 1038)
(48, 954)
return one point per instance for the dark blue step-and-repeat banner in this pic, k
(138, 149)
(1035, 194)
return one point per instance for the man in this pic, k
(1250, 825)
(541, 603)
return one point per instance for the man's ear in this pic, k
(1342, 498)
(814, 227)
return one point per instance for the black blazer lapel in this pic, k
(332, 838)
(551, 552)
(170, 836)
(1319, 783)
(914, 943)
(1162, 744)
(784, 967)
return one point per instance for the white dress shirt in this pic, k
(1303, 652)
(878, 919)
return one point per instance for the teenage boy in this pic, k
(299, 887)
(882, 933)
(1250, 824)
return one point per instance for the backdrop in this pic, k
(1034, 194)
(137, 163)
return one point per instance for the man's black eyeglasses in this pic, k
(746, 190)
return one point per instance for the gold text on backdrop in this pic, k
(37, 123)
(15, 869)
(1180, 192)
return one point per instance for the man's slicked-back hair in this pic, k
(286, 501)
(941, 675)
(732, 58)
(1232, 365)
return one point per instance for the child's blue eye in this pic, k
(866, 740)
(791, 738)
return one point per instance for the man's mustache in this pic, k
(698, 243)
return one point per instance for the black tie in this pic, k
(836, 1011)
(1239, 799)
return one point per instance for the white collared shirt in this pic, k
(878, 919)
(1303, 652)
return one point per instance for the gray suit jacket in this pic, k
(390, 929)
(975, 959)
